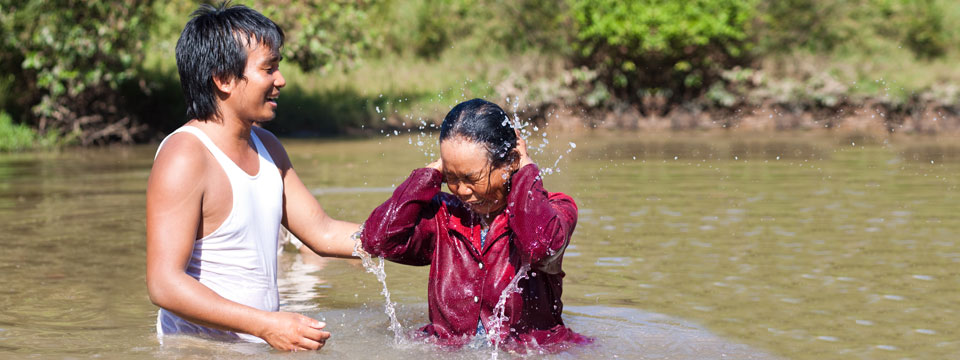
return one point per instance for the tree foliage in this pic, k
(321, 33)
(427, 28)
(671, 48)
(77, 67)
(856, 26)
(69, 60)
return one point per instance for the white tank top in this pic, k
(238, 260)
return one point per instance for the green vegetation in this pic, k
(70, 59)
(653, 46)
(105, 72)
(19, 137)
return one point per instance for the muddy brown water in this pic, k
(687, 247)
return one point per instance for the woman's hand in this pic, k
(522, 151)
(438, 165)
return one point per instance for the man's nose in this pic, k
(280, 81)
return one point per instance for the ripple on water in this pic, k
(640, 212)
(613, 261)
(668, 212)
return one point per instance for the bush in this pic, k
(77, 67)
(320, 33)
(69, 58)
(428, 28)
(865, 26)
(673, 49)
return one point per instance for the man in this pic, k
(221, 187)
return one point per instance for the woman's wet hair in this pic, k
(485, 123)
(214, 44)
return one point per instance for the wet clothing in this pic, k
(419, 225)
(238, 260)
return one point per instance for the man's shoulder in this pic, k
(273, 145)
(181, 153)
(266, 136)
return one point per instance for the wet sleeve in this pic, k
(403, 229)
(542, 222)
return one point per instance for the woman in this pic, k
(497, 222)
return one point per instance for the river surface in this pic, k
(688, 247)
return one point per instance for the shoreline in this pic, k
(871, 118)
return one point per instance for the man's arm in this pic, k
(174, 197)
(303, 215)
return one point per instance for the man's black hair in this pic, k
(483, 122)
(214, 44)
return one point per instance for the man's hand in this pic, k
(292, 332)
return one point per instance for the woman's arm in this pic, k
(404, 228)
(542, 223)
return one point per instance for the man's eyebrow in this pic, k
(275, 58)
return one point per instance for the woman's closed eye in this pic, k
(454, 179)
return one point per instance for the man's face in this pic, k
(255, 96)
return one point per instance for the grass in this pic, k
(19, 137)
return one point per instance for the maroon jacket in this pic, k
(419, 225)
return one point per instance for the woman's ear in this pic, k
(514, 160)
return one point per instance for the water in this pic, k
(495, 332)
(389, 307)
(688, 247)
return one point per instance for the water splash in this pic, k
(377, 270)
(527, 130)
(499, 317)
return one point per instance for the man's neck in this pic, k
(230, 131)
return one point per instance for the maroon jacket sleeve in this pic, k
(542, 222)
(403, 229)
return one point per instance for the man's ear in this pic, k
(225, 84)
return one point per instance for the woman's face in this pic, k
(469, 176)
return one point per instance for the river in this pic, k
(688, 246)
